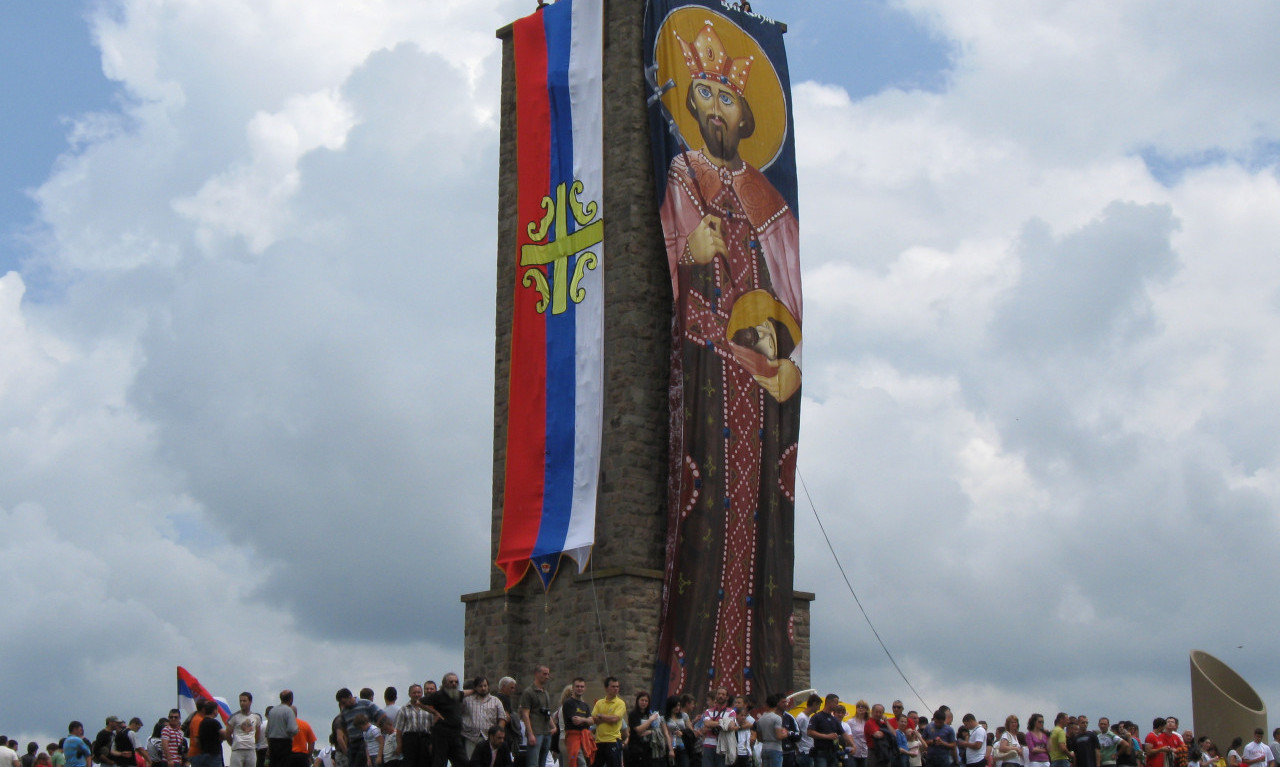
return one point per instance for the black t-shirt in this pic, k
(209, 737)
(1085, 747)
(826, 724)
(571, 708)
(450, 709)
(102, 747)
(1123, 759)
(638, 741)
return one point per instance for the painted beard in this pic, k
(720, 139)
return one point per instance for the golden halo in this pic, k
(763, 91)
(756, 306)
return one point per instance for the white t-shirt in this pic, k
(979, 754)
(8, 757)
(916, 759)
(1254, 750)
(744, 736)
(371, 734)
(806, 742)
(240, 740)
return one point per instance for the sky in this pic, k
(246, 270)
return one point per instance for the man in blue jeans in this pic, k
(826, 731)
(771, 733)
(535, 710)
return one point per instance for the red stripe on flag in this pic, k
(526, 398)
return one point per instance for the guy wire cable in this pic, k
(844, 575)
(591, 565)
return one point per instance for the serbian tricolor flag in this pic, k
(190, 690)
(555, 396)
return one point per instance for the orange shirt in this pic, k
(193, 740)
(305, 739)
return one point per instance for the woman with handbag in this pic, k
(1007, 751)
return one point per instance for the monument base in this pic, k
(591, 625)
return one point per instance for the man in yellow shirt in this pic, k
(607, 717)
(1059, 756)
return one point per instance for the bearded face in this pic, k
(724, 118)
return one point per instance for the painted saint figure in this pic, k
(731, 241)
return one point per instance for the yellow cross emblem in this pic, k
(554, 284)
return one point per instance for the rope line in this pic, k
(604, 653)
(857, 601)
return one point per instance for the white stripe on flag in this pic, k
(585, 95)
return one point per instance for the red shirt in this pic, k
(1157, 740)
(871, 728)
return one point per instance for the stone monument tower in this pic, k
(606, 620)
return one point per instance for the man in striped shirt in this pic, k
(480, 711)
(413, 725)
(171, 740)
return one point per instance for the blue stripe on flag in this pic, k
(557, 19)
(557, 499)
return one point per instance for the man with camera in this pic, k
(535, 711)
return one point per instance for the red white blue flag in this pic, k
(190, 690)
(555, 397)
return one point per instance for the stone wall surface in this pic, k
(512, 633)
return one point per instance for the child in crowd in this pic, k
(373, 739)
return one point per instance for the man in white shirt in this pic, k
(811, 707)
(245, 727)
(1257, 753)
(389, 705)
(8, 757)
(975, 748)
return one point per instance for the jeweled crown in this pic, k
(707, 59)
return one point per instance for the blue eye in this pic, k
(726, 99)
(704, 92)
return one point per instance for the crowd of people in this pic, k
(471, 726)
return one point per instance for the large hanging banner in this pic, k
(724, 157)
(555, 396)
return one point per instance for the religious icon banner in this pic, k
(555, 396)
(724, 161)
